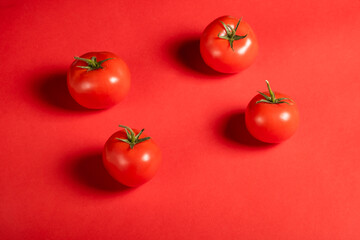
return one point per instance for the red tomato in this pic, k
(271, 117)
(98, 80)
(129, 159)
(228, 45)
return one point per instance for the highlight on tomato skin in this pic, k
(272, 117)
(131, 157)
(98, 80)
(228, 45)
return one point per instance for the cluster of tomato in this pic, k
(100, 80)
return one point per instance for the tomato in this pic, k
(271, 117)
(129, 159)
(98, 80)
(228, 45)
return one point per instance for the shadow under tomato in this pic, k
(52, 89)
(91, 173)
(234, 129)
(186, 52)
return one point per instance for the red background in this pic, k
(216, 182)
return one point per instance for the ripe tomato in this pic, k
(129, 159)
(271, 117)
(228, 45)
(98, 80)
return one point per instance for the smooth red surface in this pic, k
(215, 181)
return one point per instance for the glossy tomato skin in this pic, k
(217, 52)
(272, 123)
(131, 167)
(100, 88)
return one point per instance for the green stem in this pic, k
(270, 91)
(272, 99)
(231, 33)
(132, 139)
(92, 63)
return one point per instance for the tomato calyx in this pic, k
(272, 99)
(231, 33)
(132, 139)
(93, 64)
